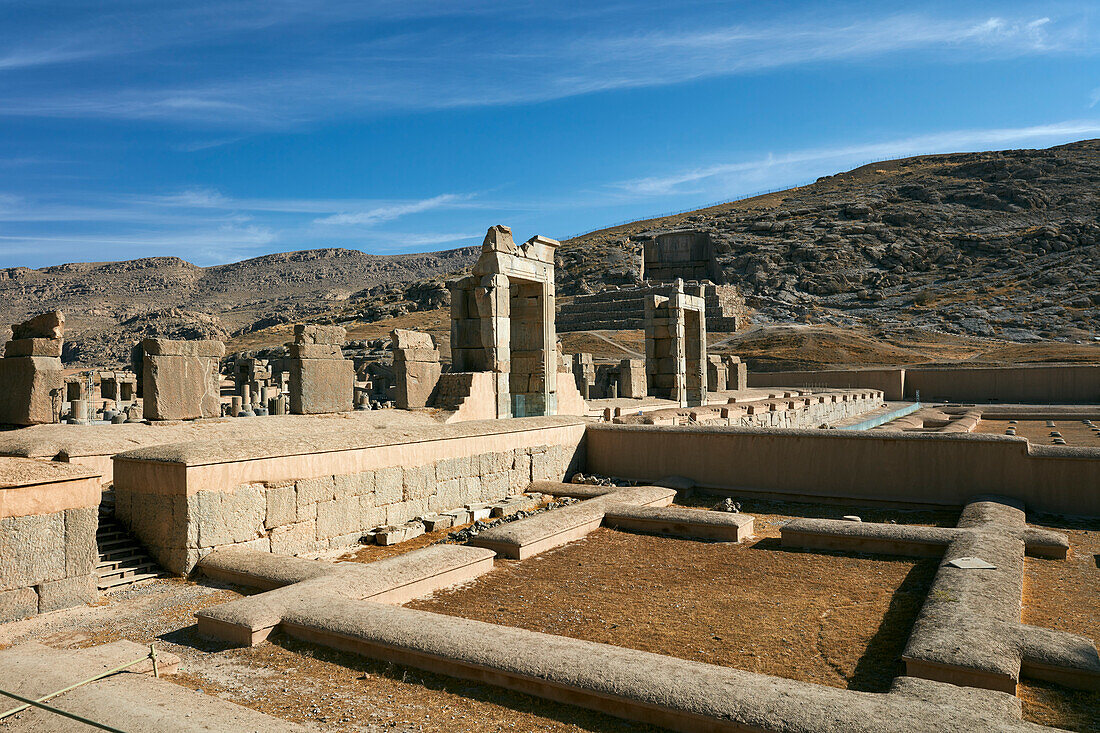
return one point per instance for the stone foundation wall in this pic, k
(48, 547)
(181, 524)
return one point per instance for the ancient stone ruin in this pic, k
(416, 366)
(668, 540)
(180, 379)
(321, 379)
(502, 322)
(676, 347)
(30, 371)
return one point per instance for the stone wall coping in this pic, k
(20, 472)
(204, 453)
(1046, 451)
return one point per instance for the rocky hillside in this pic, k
(1000, 244)
(110, 305)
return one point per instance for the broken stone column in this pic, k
(180, 379)
(416, 367)
(30, 372)
(584, 374)
(717, 373)
(737, 373)
(321, 379)
(632, 382)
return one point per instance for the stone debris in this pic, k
(727, 505)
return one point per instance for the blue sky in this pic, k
(217, 131)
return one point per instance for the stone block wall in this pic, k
(319, 512)
(48, 547)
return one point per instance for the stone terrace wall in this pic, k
(1061, 384)
(944, 469)
(624, 309)
(184, 506)
(49, 514)
(890, 381)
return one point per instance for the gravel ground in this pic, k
(832, 618)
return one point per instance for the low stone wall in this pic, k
(49, 514)
(943, 469)
(802, 411)
(891, 382)
(188, 499)
(1063, 384)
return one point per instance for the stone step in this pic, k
(118, 583)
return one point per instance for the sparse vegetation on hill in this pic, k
(1000, 245)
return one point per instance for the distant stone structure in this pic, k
(726, 372)
(502, 321)
(682, 254)
(180, 379)
(617, 309)
(416, 367)
(676, 346)
(321, 379)
(31, 379)
(118, 386)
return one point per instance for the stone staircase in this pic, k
(123, 561)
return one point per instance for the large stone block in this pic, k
(419, 481)
(370, 516)
(66, 593)
(415, 382)
(171, 347)
(281, 506)
(33, 347)
(295, 539)
(180, 387)
(317, 334)
(389, 485)
(321, 386)
(50, 325)
(337, 517)
(230, 517)
(32, 550)
(81, 551)
(313, 490)
(28, 385)
(315, 351)
(18, 604)
(403, 338)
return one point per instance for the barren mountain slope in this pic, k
(1003, 246)
(1000, 244)
(110, 305)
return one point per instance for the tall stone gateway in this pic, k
(321, 379)
(502, 322)
(31, 380)
(180, 380)
(676, 346)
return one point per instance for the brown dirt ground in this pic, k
(837, 619)
(1036, 431)
(860, 609)
(1065, 595)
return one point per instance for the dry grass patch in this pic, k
(835, 619)
(1064, 595)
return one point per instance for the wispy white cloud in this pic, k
(434, 66)
(389, 212)
(1094, 97)
(779, 169)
